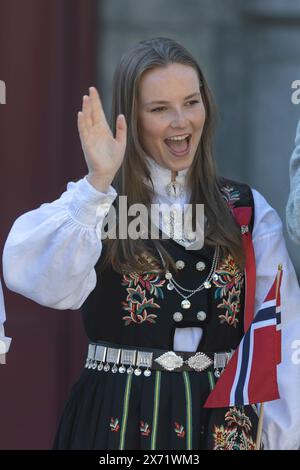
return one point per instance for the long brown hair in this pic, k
(136, 255)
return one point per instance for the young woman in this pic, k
(162, 318)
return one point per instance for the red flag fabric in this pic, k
(251, 374)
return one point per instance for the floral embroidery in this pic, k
(114, 424)
(139, 284)
(224, 439)
(228, 288)
(144, 428)
(150, 281)
(230, 195)
(236, 417)
(235, 435)
(179, 429)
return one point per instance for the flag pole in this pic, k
(259, 427)
(278, 278)
(261, 412)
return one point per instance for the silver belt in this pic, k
(101, 356)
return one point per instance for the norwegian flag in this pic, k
(251, 374)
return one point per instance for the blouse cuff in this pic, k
(4, 341)
(89, 206)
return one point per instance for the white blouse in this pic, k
(4, 340)
(51, 252)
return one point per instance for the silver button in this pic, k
(180, 264)
(201, 316)
(200, 266)
(177, 316)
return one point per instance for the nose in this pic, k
(179, 119)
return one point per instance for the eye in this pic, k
(193, 102)
(158, 109)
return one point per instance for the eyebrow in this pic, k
(164, 102)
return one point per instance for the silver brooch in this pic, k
(174, 189)
(170, 360)
(199, 362)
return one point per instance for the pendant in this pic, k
(215, 277)
(130, 370)
(170, 286)
(186, 304)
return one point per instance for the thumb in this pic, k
(121, 129)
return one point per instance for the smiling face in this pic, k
(170, 106)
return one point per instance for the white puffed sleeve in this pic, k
(281, 428)
(50, 253)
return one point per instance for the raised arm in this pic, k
(50, 252)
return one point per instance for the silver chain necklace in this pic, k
(185, 303)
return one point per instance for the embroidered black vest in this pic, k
(137, 309)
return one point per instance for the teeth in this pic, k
(178, 137)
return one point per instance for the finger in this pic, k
(121, 129)
(97, 112)
(82, 127)
(86, 109)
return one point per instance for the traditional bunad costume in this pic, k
(159, 342)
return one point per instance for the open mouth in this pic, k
(180, 145)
